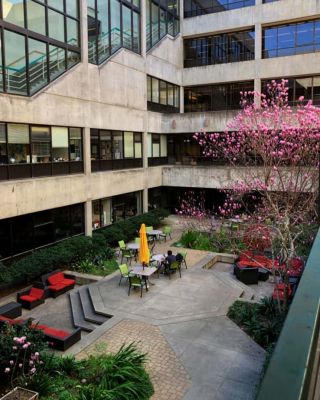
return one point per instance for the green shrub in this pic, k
(189, 239)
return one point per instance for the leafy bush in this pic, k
(98, 266)
(262, 321)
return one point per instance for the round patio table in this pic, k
(158, 257)
(133, 246)
(155, 233)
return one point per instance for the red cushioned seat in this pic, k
(55, 332)
(27, 297)
(11, 321)
(57, 287)
(36, 293)
(56, 278)
(68, 282)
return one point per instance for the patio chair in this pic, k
(184, 256)
(174, 267)
(122, 246)
(136, 281)
(125, 272)
(149, 228)
(137, 240)
(127, 253)
(165, 233)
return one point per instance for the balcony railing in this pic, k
(293, 371)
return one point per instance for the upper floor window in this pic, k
(31, 150)
(112, 24)
(219, 49)
(224, 96)
(306, 86)
(40, 42)
(202, 7)
(162, 19)
(162, 96)
(115, 150)
(291, 39)
(157, 149)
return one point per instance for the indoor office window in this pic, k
(18, 144)
(163, 92)
(163, 146)
(95, 150)
(193, 8)
(36, 17)
(162, 96)
(38, 60)
(316, 90)
(117, 146)
(60, 144)
(128, 145)
(155, 145)
(138, 145)
(105, 145)
(3, 145)
(155, 90)
(136, 32)
(40, 144)
(72, 32)
(75, 144)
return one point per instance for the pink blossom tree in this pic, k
(276, 151)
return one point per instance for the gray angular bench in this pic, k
(11, 310)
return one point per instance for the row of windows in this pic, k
(112, 24)
(162, 96)
(115, 150)
(33, 150)
(162, 19)
(218, 49)
(27, 232)
(112, 209)
(215, 97)
(202, 7)
(291, 39)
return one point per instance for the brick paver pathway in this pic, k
(169, 378)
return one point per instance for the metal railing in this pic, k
(294, 366)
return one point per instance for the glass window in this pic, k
(138, 145)
(18, 144)
(72, 32)
(36, 17)
(58, 4)
(126, 27)
(96, 214)
(38, 75)
(316, 90)
(72, 8)
(57, 57)
(103, 30)
(149, 89)
(3, 145)
(13, 12)
(163, 92)
(128, 145)
(149, 145)
(136, 32)
(73, 58)
(170, 95)
(115, 25)
(155, 145)
(105, 145)
(15, 65)
(1, 64)
(75, 144)
(56, 25)
(95, 151)
(117, 145)
(40, 144)
(163, 149)
(60, 144)
(155, 90)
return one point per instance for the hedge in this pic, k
(63, 254)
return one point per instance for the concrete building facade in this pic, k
(126, 142)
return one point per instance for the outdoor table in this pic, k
(154, 233)
(133, 246)
(158, 257)
(145, 272)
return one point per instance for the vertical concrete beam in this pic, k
(258, 2)
(87, 151)
(84, 31)
(258, 41)
(181, 100)
(257, 88)
(143, 25)
(145, 200)
(88, 218)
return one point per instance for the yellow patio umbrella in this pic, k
(144, 254)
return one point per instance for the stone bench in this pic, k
(11, 310)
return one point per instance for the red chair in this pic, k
(31, 298)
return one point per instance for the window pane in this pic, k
(163, 92)
(18, 143)
(36, 17)
(1, 65)
(316, 90)
(128, 145)
(136, 32)
(94, 137)
(38, 76)
(106, 212)
(138, 150)
(15, 68)
(115, 25)
(305, 33)
(170, 95)
(155, 33)
(40, 144)
(73, 58)
(155, 149)
(303, 87)
(56, 25)
(58, 4)
(163, 142)
(72, 32)
(103, 30)
(149, 145)
(105, 145)
(57, 57)
(3, 146)
(75, 144)
(155, 90)
(13, 12)
(126, 27)
(117, 146)
(72, 8)
(60, 146)
(96, 214)
(149, 96)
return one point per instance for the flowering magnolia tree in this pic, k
(276, 151)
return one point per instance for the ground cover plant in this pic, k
(262, 321)
(97, 266)
(25, 361)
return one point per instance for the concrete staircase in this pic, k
(83, 310)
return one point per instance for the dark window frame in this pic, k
(230, 5)
(156, 105)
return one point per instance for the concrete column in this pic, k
(145, 149)
(181, 100)
(143, 25)
(257, 88)
(87, 151)
(145, 200)
(84, 31)
(258, 41)
(88, 218)
(258, 2)
(181, 15)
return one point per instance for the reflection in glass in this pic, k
(60, 146)
(163, 93)
(117, 145)
(57, 61)
(13, 11)
(56, 25)
(72, 32)
(36, 17)
(18, 144)
(40, 144)
(115, 25)
(72, 8)
(126, 27)
(58, 4)
(128, 145)
(73, 58)
(3, 145)
(38, 76)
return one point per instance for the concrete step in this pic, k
(78, 314)
(97, 302)
(87, 306)
(245, 291)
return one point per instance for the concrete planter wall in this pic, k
(19, 393)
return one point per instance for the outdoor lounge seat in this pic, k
(124, 272)
(31, 298)
(58, 338)
(57, 283)
(11, 310)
